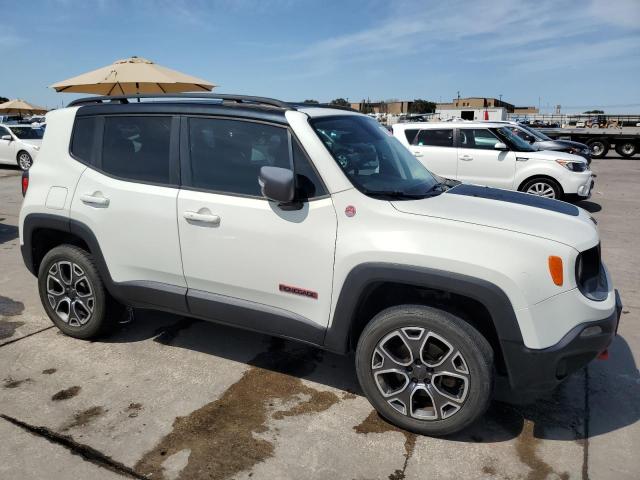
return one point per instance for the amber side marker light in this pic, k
(555, 269)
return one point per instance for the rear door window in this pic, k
(435, 138)
(137, 148)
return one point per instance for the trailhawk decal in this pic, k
(298, 291)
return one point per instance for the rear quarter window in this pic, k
(82, 138)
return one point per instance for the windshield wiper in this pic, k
(436, 189)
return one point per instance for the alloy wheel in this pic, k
(24, 161)
(70, 293)
(542, 189)
(420, 374)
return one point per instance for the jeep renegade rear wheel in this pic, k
(73, 295)
(424, 369)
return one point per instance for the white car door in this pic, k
(127, 197)
(435, 149)
(7, 148)
(480, 162)
(249, 261)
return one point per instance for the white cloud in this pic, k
(485, 29)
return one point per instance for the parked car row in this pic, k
(500, 154)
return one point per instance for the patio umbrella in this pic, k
(20, 107)
(130, 76)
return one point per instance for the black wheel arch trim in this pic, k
(275, 321)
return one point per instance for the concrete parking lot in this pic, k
(171, 397)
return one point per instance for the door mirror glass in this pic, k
(500, 146)
(7, 137)
(277, 184)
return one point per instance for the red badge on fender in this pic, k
(350, 211)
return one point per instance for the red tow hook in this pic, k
(604, 355)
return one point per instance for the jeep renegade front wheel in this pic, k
(73, 295)
(424, 369)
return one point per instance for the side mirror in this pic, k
(500, 146)
(277, 184)
(6, 137)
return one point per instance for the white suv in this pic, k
(314, 224)
(19, 144)
(491, 154)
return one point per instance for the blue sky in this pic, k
(579, 54)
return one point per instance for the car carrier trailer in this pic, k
(625, 140)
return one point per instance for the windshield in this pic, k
(374, 161)
(27, 133)
(513, 140)
(541, 137)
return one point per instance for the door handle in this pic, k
(92, 199)
(201, 217)
(417, 154)
(466, 157)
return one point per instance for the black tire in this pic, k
(599, 147)
(627, 148)
(87, 317)
(543, 184)
(477, 358)
(24, 160)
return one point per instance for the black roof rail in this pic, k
(248, 99)
(321, 105)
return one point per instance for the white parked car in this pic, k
(491, 154)
(314, 224)
(19, 144)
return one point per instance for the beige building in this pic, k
(395, 107)
(474, 103)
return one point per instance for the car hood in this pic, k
(508, 210)
(560, 144)
(552, 155)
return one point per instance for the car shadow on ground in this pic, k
(591, 207)
(592, 402)
(7, 232)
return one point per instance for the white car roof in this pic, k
(463, 124)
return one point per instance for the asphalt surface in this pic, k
(171, 397)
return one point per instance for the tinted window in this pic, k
(478, 138)
(82, 139)
(3, 131)
(28, 133)
(137, 148)
(411, 135)
(435, 138)
(226, 155)
(308, 182)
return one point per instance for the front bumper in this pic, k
(532, 370)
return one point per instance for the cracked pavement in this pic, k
(169, 397)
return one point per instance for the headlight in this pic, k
(573, 166)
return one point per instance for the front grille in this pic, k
(590, 275)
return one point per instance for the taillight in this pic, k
(25, 182)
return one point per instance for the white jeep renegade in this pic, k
(314, 224)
